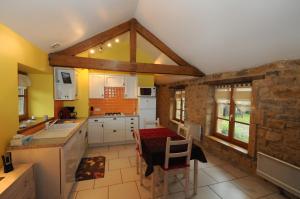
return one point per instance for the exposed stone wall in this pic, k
(275, 116)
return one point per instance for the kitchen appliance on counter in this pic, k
(7, 162)
(67, 112)
(146, 91)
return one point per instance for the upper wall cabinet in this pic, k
(114, 81)
(130, 87)
(65, 84)
(96, 86)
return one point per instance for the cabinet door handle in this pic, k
(102, 125)
(114, 118)
(114, 131)
(95, 120)
(80, 132)
(131, 123)
(131, 119)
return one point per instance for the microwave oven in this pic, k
(146, 91)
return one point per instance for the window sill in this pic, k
(176, 122)
(228, 144)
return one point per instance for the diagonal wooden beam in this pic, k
(133, 41)
(100, 64)
(97, 39)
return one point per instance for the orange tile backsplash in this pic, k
(113, 101)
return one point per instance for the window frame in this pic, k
(230, 138)
(182, 108)
(25, 115)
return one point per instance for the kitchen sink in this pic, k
(1, 178)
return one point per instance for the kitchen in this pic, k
(94, 95)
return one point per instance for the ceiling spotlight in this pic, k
(117, 40)
(92, 51)
(109, 45)
(55, 45)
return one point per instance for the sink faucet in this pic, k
(49, 124)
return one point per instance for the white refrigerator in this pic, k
(147, 110)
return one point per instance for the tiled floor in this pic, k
(216, 179)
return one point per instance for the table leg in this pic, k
(195, 176)
(153, 183)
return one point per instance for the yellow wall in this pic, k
(14, 49)
(82, 104)
(41, 95)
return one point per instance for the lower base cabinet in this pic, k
(106, 130)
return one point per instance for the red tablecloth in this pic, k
(154, 145)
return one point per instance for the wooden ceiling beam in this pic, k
(133, 43)
(100, 64)
(97, 39)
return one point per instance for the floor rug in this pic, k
(91, 168)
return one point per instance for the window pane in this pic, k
(178, 104)
(21, 106)
(222, 127)
(183, 104)
(223, 110)
(178, 114)
(242, 113)
(183, 116)
(241, 132)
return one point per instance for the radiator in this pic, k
(283, 174)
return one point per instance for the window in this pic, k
(23, 103)
(233, 105)
(179, 110)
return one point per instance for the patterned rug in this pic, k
(91, 168)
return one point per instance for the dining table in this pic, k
(153, 143)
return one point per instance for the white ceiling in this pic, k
(213, 35)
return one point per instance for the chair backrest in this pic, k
(137, 138)
(185, 129)
(151, 123)
(186, 153)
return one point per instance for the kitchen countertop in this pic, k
(11, 177)
(124, 115)
(50, 142)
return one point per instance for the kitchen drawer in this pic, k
(95, 120)
(132, 119)
(114, 135)
(129, 134)
(132, 127)
(114, 123)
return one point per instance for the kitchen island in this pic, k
(56, 153)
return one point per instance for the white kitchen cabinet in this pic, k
(65, 84)
(96, 86)
(95, 131)
(114, 81)
(114, 129)
(130, 87)
(131, 124)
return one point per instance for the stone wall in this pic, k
(275, 112)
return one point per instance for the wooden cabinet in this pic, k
(65, 85)
(95, 131)
(96, 86)
(21, 181)
(130, 87)
(114, 81)
(131, 124)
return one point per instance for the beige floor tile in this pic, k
(203, 193)
(110, 178)
(118, 164)
(227, 190)
(218, 174)
(109, 155)
(129, 174)
(274, 196)
(132, 161)
(127, 153)
(99, 193)
(117, 147)
(83, 185)
(234, 171)
(203, 179)
(126, 190)
(130, 146)
(98, 149)
(255, 186)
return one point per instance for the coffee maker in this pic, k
(7, 162)
(67, 112)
